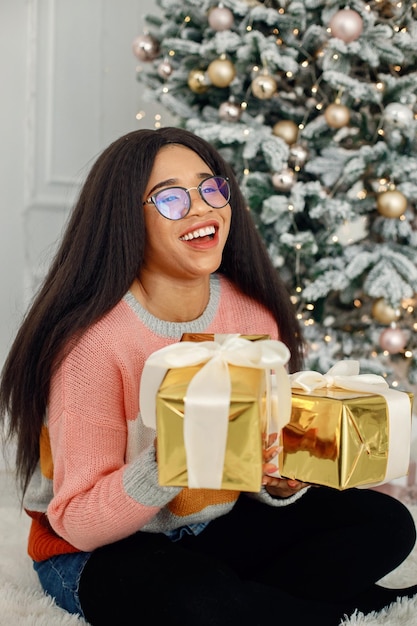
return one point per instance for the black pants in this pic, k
(312, 562)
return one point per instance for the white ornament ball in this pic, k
(264, 86)
(220, 18)
(145, 47)
(221, 72)
(391, 203)
(393, 340)
(383, 312)
(337, 115)
(346, 25)
(287, 130)
(230, 111)
(397, 114)
(284, 180)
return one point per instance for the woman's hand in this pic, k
(277, 487)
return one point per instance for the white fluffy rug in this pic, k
(22, 602)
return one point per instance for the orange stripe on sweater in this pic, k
(43, 541)
(190, 501)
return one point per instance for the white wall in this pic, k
(68, 88)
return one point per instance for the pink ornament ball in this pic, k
(393, 340)
(220, 18)
(346, 25)
(145, 48)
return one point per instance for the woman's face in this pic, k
(193, 245)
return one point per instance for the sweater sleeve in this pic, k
(99, 497)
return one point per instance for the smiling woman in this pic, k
(160, 243)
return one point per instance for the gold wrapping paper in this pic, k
(336, 438)
(243, 460)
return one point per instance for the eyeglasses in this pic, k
(174, 203)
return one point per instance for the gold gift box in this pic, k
(243, 459)
(336, 438)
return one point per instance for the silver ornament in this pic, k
(298, 155)
(398, 115)
(230, 111)
(284, 180)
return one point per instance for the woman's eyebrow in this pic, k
(174, 182)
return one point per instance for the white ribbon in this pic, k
(345, 375)
(207, 401)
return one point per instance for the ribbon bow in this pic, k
(207, 400)
(344, 374)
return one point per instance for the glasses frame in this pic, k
(152, 199)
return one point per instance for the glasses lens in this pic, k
(172, 203)
(215, 191)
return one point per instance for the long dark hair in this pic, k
(100, 255)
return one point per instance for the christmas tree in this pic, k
(315, 104)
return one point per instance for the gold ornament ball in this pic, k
(197, 81)
(287, 130)
(391, 203)
(383, 312)
(221, 72)
(264, 86)
(337, 115)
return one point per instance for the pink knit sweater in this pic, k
(97, 480)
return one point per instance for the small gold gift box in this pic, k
(242, 470)
(208, 397)
(342, 439)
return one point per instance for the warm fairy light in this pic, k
(171, 53)
(310, 307)
(279, 42)
(394, 383)
(158, 117)
(298, 289)
(244, 105)
(289, 74)
(187, 19)
(140, 115)
(294, 299)
(319, 106)
(291, 207)
(335, 57)
(381, 132)
(314, 89)
(305, 63)
(397, 68)
(408, 354)
(246, 171)
(298, 246)
(281, 11)
(246, 131)
(248, 28)
(301, 126)
(380, 86)
(357, 303)
(295, 31)
(327, 338)
(335, 238)
(165, 89)
(361, 195)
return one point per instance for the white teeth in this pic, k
(201, 232)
